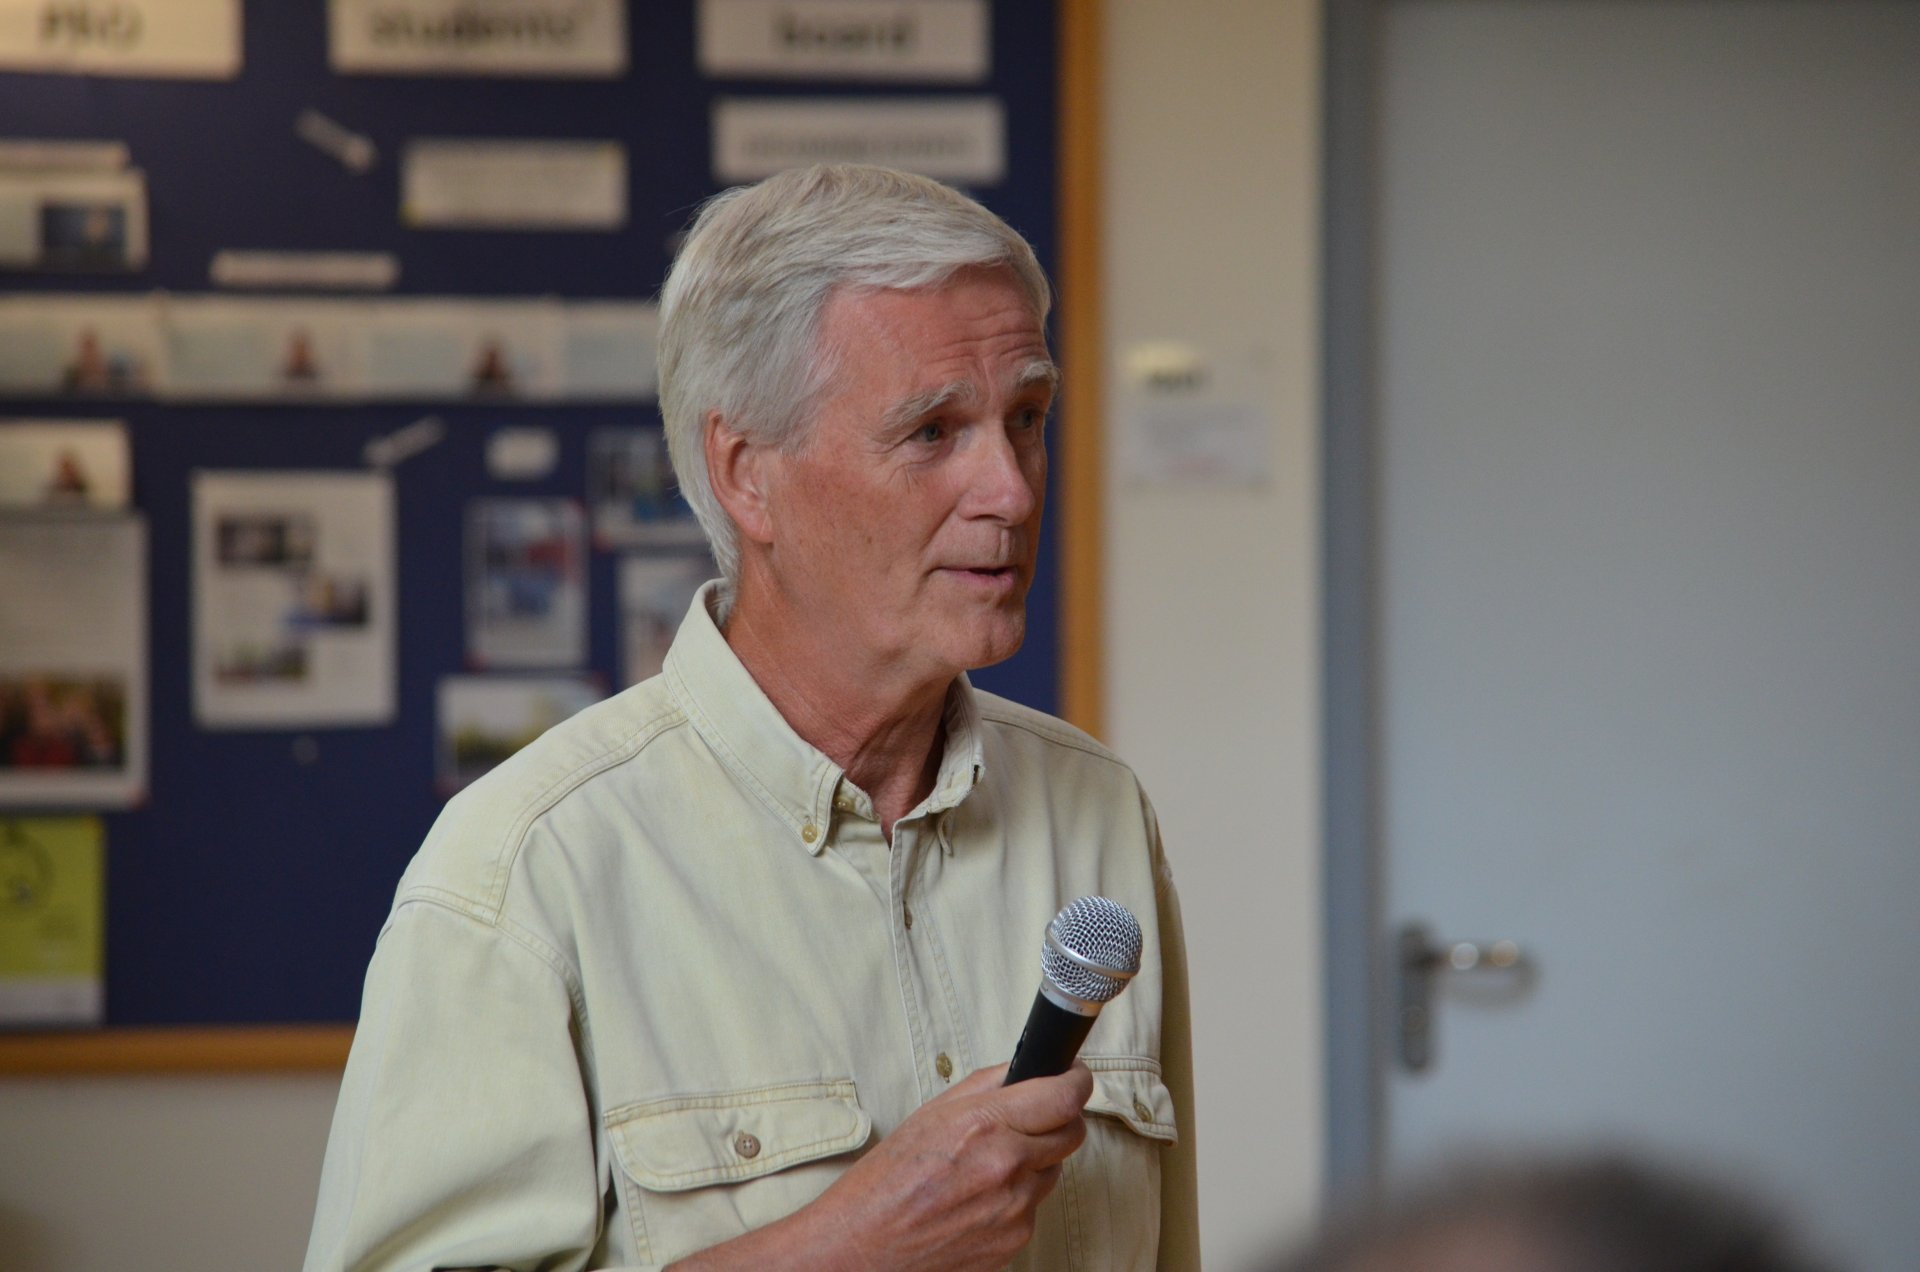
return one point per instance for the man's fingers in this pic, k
(1040, 1105)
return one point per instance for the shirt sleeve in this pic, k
(1179, 1177)
(464, 1136)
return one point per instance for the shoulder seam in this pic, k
(454, 903)
(1058, 736)
(542, 803)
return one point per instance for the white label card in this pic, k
(532, 38)
(937, 40)
(514, 185)
(183, 39)
(952, 138)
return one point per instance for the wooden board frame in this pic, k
(1080, 176)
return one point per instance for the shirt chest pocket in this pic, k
(697, 1170)
(1112, 1184)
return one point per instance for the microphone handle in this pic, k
(1050, 1041)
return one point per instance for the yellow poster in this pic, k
(52, 920)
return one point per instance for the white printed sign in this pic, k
(846, 39)
(533, 38)
(514, 185)
(183, 39)
(951, 138)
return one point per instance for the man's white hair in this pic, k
(740, 311)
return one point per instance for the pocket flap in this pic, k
(691, 1141)
(1125, 1089)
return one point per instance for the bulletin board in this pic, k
(248, 886)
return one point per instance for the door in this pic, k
(1647, 392)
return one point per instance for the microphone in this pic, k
(1092, 950)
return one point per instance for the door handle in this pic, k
(1420, 960)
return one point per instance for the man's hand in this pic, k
(954, 1189)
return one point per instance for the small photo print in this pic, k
(62, 721)
(526, 583)
(655, 594)
(328, 600)
(631, 488)
(485, 719)
(261, 663)
(64, 465)
(80, 236)
(273, 540)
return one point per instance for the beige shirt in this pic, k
(658, 979)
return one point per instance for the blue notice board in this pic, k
(250, 884)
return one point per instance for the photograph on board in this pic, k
(631, 488)
(526, 583)
(64, 465)
(484, 719)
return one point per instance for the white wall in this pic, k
(1212, 613)
(1213, 595)
(102, 1174)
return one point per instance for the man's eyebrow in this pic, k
(1039, 371)
(908, 410)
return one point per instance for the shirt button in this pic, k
(909, 915)
(843, 802)
(943, 1066)
(809, 833)
(746, 1145)
(1141, 1111)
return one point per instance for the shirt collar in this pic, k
(792, 777)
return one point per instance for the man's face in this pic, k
(909, 518)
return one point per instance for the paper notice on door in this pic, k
(513, 185)
(952, 138)
(925, 40)
(183, 39)
(52, 920)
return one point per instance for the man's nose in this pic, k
(1000, 485)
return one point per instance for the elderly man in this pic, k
(698, 977)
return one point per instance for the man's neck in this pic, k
(884, 730)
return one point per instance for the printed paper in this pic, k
(293, 599)
(73, 223)
(184, 39)
(485, 719)
(526, 583)
(52, 920)
(655, 593)
(64, 466)
(255, 349)
(440, 350)
(73, 661)
(927, 40)
(610, 350)
(513, 185)
(555, 38)
(952, 138)
(80, 346)
(630, 486)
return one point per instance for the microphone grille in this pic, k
(1097, 931)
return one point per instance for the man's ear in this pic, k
(739, 469)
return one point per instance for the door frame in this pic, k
(1356, 970)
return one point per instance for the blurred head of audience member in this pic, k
(1605, 1214)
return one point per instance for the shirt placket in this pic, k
(939, 1051)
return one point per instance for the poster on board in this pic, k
(293, 599)
(52, 921)
(73, 661)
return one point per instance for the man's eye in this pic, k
(1032, 417)
(930, 433)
